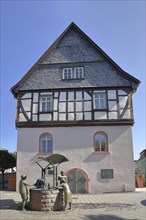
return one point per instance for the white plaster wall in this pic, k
(76, 143)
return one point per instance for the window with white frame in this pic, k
(46, 143)
(67, 73)
(46, 103)
(78, 71)
(73, 73)
(99, 100)
(100, 142)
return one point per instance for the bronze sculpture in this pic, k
(41, 183)
(61, 193)
(66, 190)
(63, 175)
(67, 195)
(23, 190)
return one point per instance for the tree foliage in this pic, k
(7, 160)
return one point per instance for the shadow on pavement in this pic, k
(7, 204)
(104, 217)
(143, 202)
(111, 206)
(10, 204)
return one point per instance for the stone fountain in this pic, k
(45, 197)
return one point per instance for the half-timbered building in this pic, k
(77, 101)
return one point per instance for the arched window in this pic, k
(46, 143)
(100, 142)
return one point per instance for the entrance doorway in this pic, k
(78, 181)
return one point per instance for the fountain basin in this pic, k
(42, 199)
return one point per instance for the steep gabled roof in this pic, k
(16, 87)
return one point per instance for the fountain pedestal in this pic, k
(59, 202)
(43, 199)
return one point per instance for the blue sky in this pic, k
(28, 28)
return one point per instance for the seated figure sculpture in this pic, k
(41, 183)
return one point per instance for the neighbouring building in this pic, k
(141, 164)
(76, 101)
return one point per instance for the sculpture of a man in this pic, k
(23, 190)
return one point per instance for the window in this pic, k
(46, 103)
(100, 100)
(107, 174)
(73, 73)
(46, 143)
(79, 72)
(67, 73)
(100, 142)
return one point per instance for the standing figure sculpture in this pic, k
(66, 190)
(67, 194)
(63, 176)
(23, 190)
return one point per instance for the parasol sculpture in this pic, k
(53, 161)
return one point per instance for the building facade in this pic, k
(77, 101)
(141, 165)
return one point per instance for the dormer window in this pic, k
(67, 73)
(79, 72)
(73, 73)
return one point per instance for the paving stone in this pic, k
(112, 206)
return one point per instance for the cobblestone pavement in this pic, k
(110, 206)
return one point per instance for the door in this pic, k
(78, 181)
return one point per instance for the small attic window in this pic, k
(73, 73)
(79, 73)
(67, 73)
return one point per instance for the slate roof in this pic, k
(74, 48)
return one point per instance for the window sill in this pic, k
(74, 78)
(101, 152)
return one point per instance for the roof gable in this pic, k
(71, 48)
